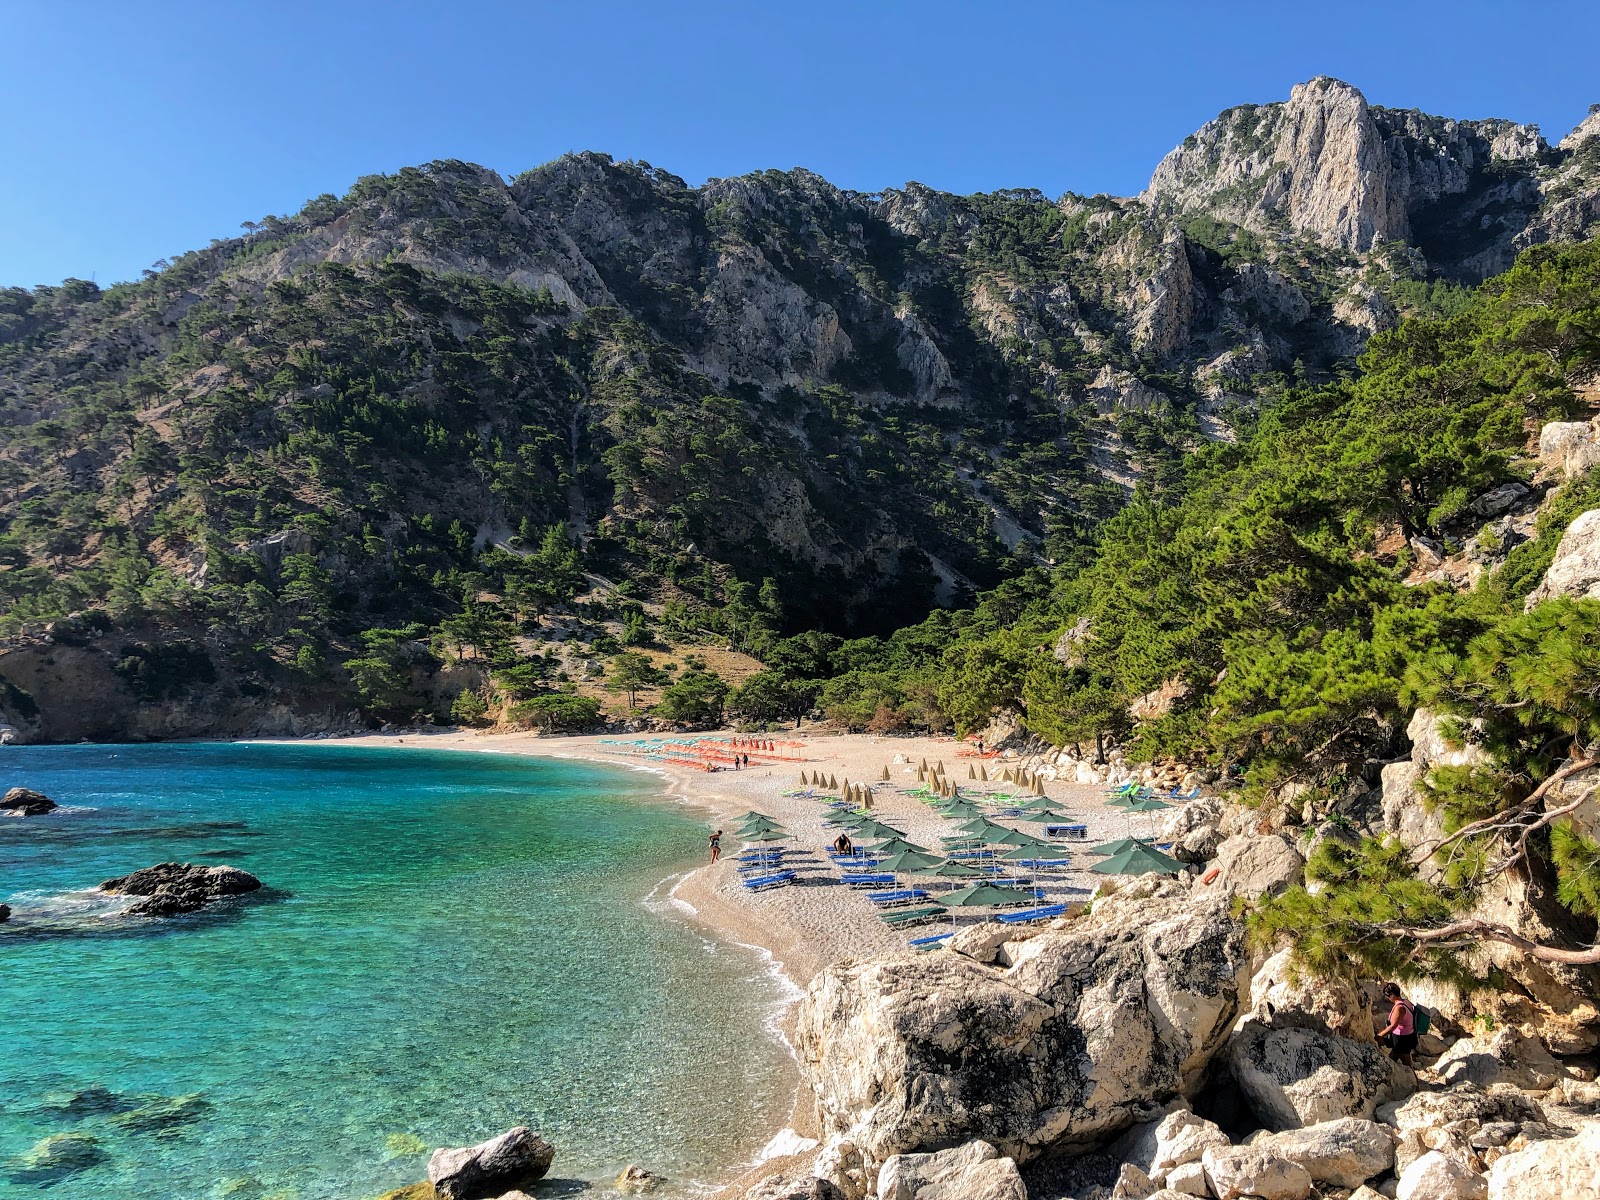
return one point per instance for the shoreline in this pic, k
(798, 929)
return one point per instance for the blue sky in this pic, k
(131, 131)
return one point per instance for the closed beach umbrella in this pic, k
(1116, 847)
(984, 895)
(1138, 860)
(983, 773)
(886, 774)
(972, 772)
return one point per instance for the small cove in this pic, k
(455, 943)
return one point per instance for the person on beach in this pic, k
(716, 845)
(843, 845)
(1400, 1035)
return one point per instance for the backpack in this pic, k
(1421, 1019)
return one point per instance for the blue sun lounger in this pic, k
(860, 879)
(931, 941)
(762, 882)
(1070, 833)
(1044, 913)
(895, 898)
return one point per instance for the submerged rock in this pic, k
(634, 1180)
(163, 1116)
(490, 1169)
(53, 1158)
(5, 913)
(26, 802)
(174, 888)
(92, 1101)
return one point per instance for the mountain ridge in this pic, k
(882, 402)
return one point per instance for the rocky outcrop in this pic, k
(634, 1180)
(1328, 166)
(975, 1171)
(170, 889)
(1286, 997)
(1440, 1176)
(1575, 569)
(1089, 1029)
(1253, 867)
(25, 802)
(1562, 1167)
(1344, 1153)
(1508, 1056)
(1254, 1171)
(517, 1158)
(1294, 1077)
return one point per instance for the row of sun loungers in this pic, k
(761, 883)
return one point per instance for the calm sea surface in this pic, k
(454, 944)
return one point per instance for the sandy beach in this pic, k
(818, 920)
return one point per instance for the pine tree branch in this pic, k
(1477, 928)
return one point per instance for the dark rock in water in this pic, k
(92, 1101)
(517, 1157)
(27, 802)
(54, 1158)
(173, 888)
(162, 1116)
(5, 913)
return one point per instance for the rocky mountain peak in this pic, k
(1328, 166)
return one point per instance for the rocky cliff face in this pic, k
(1328, 166)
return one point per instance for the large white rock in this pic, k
(1253, 1171)
(1575, 570)
(1345, 1153)
(1561, 1167)
(1569, 447)
(1440, 1176)
(1507, 1056)
(1430, 1110)
(971, 1172)
(1285, 996)
(1088, 1031)
(1182, 1138)
(1294, 1077)
(1253, 867)
(1189, 1180)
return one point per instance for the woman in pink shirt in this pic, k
(1401, 1031)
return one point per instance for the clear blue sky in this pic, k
(131, 131)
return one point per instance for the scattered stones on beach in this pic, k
(490, 1169)
(634, 1180)
(170, 889)
(25, 802)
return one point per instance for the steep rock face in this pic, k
(1088, 1030)
(1327, 165)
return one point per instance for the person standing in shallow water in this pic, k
(716, 845)
(1401, 1031)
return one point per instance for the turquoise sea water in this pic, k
(455, 944)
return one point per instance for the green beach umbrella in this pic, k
(766, 835)
(1117, 847)
(1151, 805)
(1139, 860)
(897, 845)
(1015, 837)
(909, 862)
(963, 808)
(1122, 802)
(984, 895)
(948, 868)
(1042, 851)
(871, 828)
(979, 826)
(759, 823)
(752, 815)
(1040, 815)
